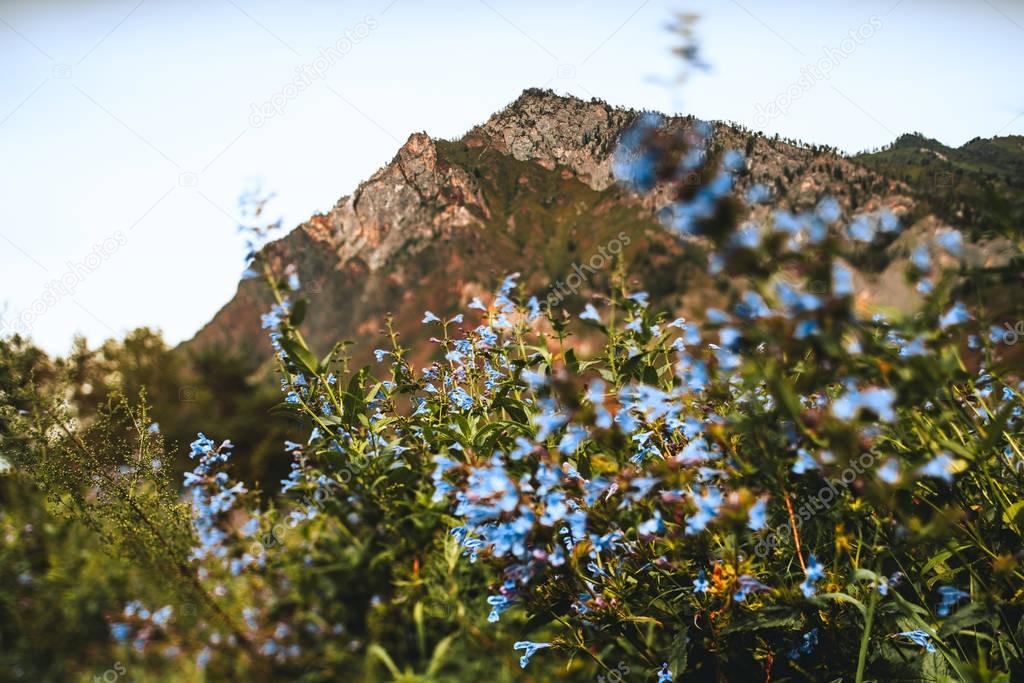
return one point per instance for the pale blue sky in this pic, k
(132, 122)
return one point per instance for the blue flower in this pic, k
(120, 631)
(804, 462)
(759, 194)
(813, 573)
(429, 317)
(460, 398)
(747, 237)
(950, 595)
(757, 515)
(921, 259)
(828, 210)
(888, 222)
(734, 161)
(653, 526)
(590, 313)
(806, 328)
(861, 229)
(957, 315)
(547, 422)
(889, 472)
(701, 583)
(380, 354)
(752, 305)
(572, 438)
(807, 644)
(665, 675)
(708, 505)
(842, 280)
(877, 400)
(640, 298)
(747, 585)
(499, 604)
(952, 242)
(919, 637)
(534, 307)
(940, 467)
(530, 648)
(635, 161)
(201, 446)
(915, 347)
(696, 451)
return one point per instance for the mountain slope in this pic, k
(979, 186)
(530, 190)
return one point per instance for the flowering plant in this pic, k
(792, 486)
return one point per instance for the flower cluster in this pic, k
(782, 466)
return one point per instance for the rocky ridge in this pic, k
(427, 223)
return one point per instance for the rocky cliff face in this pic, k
(530, 190)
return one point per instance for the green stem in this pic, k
(862, 656)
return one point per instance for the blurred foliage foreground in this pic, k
(792, 489)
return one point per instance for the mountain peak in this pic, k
(559, 130)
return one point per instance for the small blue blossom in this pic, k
(889, 472)
(920, 638)
(877, 400)
(952, 242)
(950, 595)
(940, 467)
(759, 194)
(499, 604)
(530, 648)
(590, 313)
(757, 515)
(813, 573)
(747, 585)
(708, 505)
(957, 315)
(653, 526)
(808, 642)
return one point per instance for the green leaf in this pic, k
(767, 618)
(966, 617)
(299, 309)
(1012, 515)
(299, 355)
(440, 652)
(352, 402)
(571, 362)
(849, 599)
(380, 653)
(679, 651)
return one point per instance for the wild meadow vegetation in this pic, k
(790, 487)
